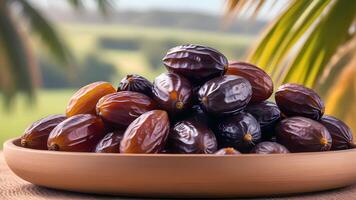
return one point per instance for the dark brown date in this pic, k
(267, 115)
(85, 99)
(172, 92)
(146, 134)
(301, 134)
(190, 136)
(79, 133)
(110, 143)
(121, 108)
(36, 135)
(225, 95)
(136, 83)
(269, 148)
(340, 133)
(261, 82)
(241, 131)
(297, 100)
(197, 63)
(227, 151)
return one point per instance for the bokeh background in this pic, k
(50, 48)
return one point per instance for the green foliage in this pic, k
(18, 69)
(16, 60)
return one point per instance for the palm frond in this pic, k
(319, 47)
(47, 33)
(341, 60)
(18, 60)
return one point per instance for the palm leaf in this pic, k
(18, 60)
(47, 33)
(319, 47)
(336, 66)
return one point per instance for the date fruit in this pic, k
(227, 151)
(269, 148)
(240, 131)
(110, 143)
(301, 134)
(85, 99)
(146, 134)
(261, 82)
(172, 92)
(341, 134)
(197, 63)
(121, 108)
(79, 133)
(297, 100)
(192, 137)
(36, 135)
(136, 83)
(225, 95)
(267, 115)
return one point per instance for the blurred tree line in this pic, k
(90, 70)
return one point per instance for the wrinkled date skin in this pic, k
(146, 134)
(297, 100)
(269, 148)
(301, 134)
(261, 82)
(192, 137)
(268, 115)
(225, 95)
(79, 133)
(136, 83)
(110, 143)
(227, 151)
(172, 92)
(121, 108)
(241, 132)
(85, 99)
(197, 63)
(36, 135)
(341, 134)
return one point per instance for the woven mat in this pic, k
(14, 188)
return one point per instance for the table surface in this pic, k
(12, 187)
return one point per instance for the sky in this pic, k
(214, 7)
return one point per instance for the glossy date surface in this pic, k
(225, 95)
(190, 136)
(85, 99)
(196, 62)
(301, 134)
(79, 133)
(110, 143)
(227, 151)
(267, 115)
(36, 135)
(297, 100)
(136, 83)
(261, 82)
(269, 148)
(341, 134)
(172, 92)
(146, 134)
(121, 108)
(241, 131)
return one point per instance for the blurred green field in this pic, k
(85, 40)
(14, 121)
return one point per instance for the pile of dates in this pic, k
(202, 105)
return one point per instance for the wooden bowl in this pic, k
(170, 175)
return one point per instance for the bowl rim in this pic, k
(10, 145)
